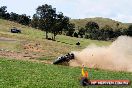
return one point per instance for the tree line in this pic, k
(22, 19)
(93, 31)
(47, 19)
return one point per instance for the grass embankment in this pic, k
(21, 74)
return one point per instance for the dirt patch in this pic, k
(34, 47)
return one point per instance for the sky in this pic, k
(119, 10)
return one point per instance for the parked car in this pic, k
(15, 30)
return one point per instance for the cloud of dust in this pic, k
(117, 56)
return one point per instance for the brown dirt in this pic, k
(33, 47)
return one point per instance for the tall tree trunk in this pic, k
(54, 35)
(46, 34)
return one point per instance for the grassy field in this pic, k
(21, 74)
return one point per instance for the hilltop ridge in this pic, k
(101, 21)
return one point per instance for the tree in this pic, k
(50, 21)
(62, 23)
(70, 29)
(117, 33)
(92, 25)
(14, 17)
(106, 33)
(129, 31)
(92, 29)
(35, 21)
(117, 25)
(81, 32)
(46, 17)
(7, 16)
(24, 20)
(124, 31)
(57, 24)
(3, 11)
(75, 34)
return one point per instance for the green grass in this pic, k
(84, 42)
(22, 74)
(15, 46)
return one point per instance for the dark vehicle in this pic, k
(15, 30)
(78, 43)
(65, 58)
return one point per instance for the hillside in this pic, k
(31, 43)
(101, 21)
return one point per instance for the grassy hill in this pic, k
(30, 45)
(101, 21)
(47, 48)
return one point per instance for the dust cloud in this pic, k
(117, 56)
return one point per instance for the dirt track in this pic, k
(7, 39)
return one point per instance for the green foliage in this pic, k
(70, 29)
(3, 11)
(35, 21)
(22, 19)
(129, 31)
(81, 32)
(75, 34)
(92, 30)
(46, 16)
(51, 22)
(14, 17)
(91, 26)
(105, 29)
(106, 33)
